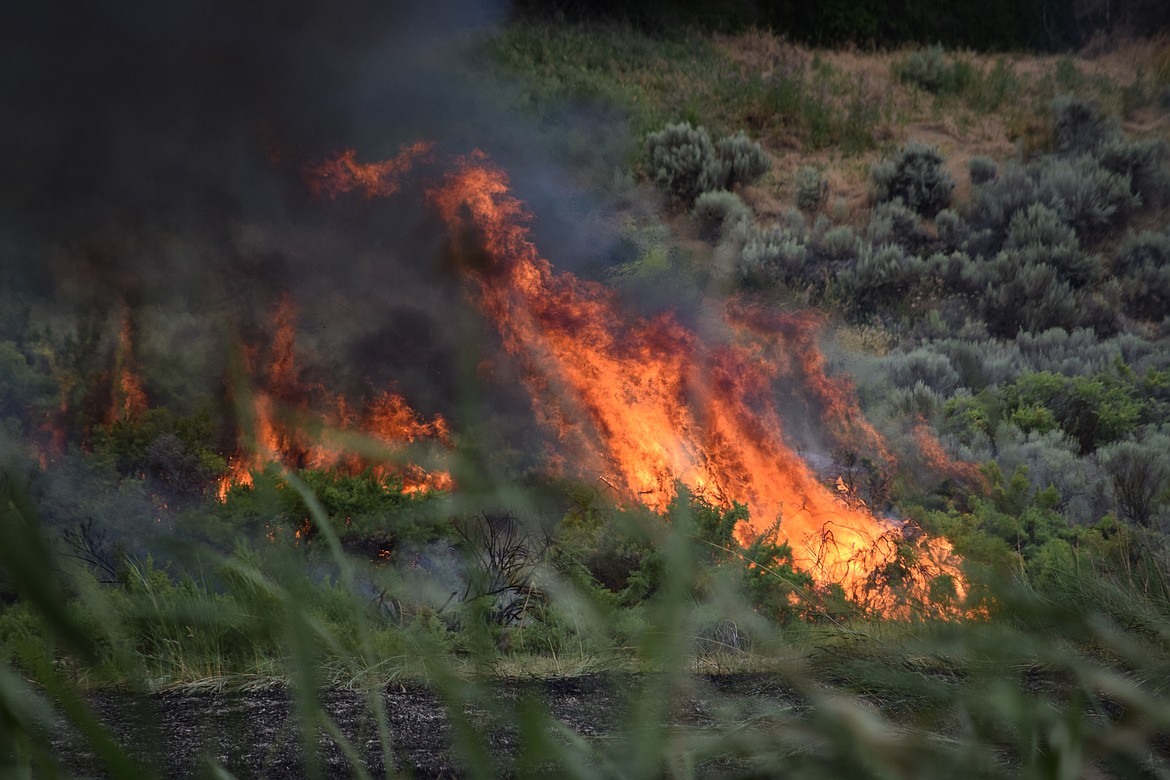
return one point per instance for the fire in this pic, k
(932, 452)
(345, 174)
(282, 410)
(652, 405)
(129, 401)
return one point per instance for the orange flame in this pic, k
(656, 406)
(647, 401)
(344, 173)
(283, 402)
(932, 452)
(129, 401)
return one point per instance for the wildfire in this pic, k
(129, 399)
(345, 174)
(651, 404)
(283, 411)
(937, 459)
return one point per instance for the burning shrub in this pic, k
(917, 177)
(684, 163)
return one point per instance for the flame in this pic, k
(129, 399)
(648, 402)
(345, 174)
(283, 408)
(936, 458)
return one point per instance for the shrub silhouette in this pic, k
(915, 176)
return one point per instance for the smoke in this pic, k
(153, 152)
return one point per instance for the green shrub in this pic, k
(1142, 264)
(1032, 296)
(893, 223)
(745, 159)
(923, 365)
(774, 255)
(812, 189)
(838, 243)
(684, 162)
(1088, 196)
(1037, 235)
(1144, 162)
(915, 176)
(927, 68)
(982, 169)
(881, 278)
(717, 211)
(1092, 410)
(1139, 476)
(1080, 127)
(934, 72)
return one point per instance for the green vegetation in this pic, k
(1022, 319)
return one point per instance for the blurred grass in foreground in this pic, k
(1066, 683)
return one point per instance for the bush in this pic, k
(684, 163)
(1144, 162)
(838, 243)
(917, 177)
(744, 158)
(982, 169)
(934, 72)
(717, 211)
(1039, 235)
(1092, 410)
(1139, 476)
(881, 278)
(812, 189)
(1030, 296)
(1079, 126)
(923, 365)
(1087, 195)
(1143, 265)
(1050, 459)
(893, 223)
(927, 68)
(774, 255)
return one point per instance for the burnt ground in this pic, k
(257, 734)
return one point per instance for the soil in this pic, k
(256, 734)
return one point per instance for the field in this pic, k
(539, 398)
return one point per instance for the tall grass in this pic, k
(1057, 682)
